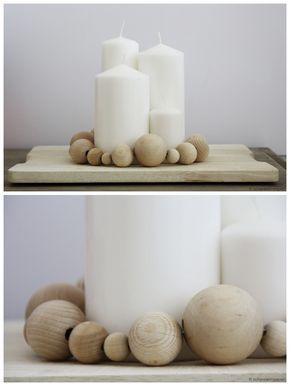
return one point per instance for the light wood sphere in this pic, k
(274, 338)
(223, 324)
(187, 153)
(155, 339)
(201, 145)
(79, 150)
(94, 156)
(81, 284)
(86, 342)
(106, 159)
(48, 327)
(57, 291)
(122, 156)
(116, 347)
(150, 150)
(172, 156)
(83, 135)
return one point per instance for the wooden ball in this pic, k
(83, 135)
(94, 156)
(274, 338)
(150, 150)
(116, 347)
(172, 156)
(223, 324)
(86, 342)
(122, 156)
(187, 153)
(155, 339)
(48, 327)
(81, 284)
(58, 291)
(106, 159)
(201, 145)
(79, 150)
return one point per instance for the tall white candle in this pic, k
(121, 107)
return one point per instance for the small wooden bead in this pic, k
(116, 347)
(86, 342)
(201, 145)
(172, 156)
(94, 156)
(79, 150)
(150, 150)
(187, 153)
(155, 339)
(48, 326)
(106, 159)
(122, 156)
(83, 135)
(81, 284)
(274, 338)
(58, 291)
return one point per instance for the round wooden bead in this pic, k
(81, 284)
(187, 153)
(58, 291)
(201, 145)
(172, 156)
(223, 324)
(122, 156)
(48, 327)
(274, 338)
(83, 135)
(150, 150)
(155, 339)
(106, 159)
(86, 342)
(79, 150)
(94, 156)
(116, 347)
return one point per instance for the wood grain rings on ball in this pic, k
(94, 156)
(83, 135)
(122, 156)
(150, 150)
(274, 338)
(48, 326)
(79, 150)
(201, 145)
(116, 347)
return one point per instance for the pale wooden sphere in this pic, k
(223, 324)
(81, 284)
(79, 150)
(150, 150)
(187, 153)
(122, 156)
(274, 338)
(155, 339)
(201, 145)
(86, 342)
(83, 135)
(172, 156)
(48, 327)
(116, 347)
(94, 156)
(57, 291)
(106, 159)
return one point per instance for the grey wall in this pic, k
(234, 55)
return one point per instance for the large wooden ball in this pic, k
(223, 324)
(122, 156)
(150, 150)
(116, 347)
(57, 291)
(187, 153)
(86, 342)
(79, 150)
(83, 135)
(274, 338)
(48, 327)
(155, 339)
(201, 145)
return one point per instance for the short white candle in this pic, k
(121, 107)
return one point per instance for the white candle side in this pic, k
(119, 51)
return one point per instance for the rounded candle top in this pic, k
(122, 70)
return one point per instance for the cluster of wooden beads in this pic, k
(222, 325)
(149, 150)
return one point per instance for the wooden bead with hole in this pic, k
(274, 338)
(106, 159)
(94, 156)
(79, 150)
(172, 156)
(57, 291)
(201, 145)
(86, 342)
(116, 347)
(155, 339)
(187, 153)
(150, 150)
(48, 327)
(122, 156)
(83, 135)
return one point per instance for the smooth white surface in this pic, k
(121, 107)
(168, 124)
(119, 51)
(235, 67)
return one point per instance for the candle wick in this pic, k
(160, 39)
(122, 29)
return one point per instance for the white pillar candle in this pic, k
(121, 107)
(168, 124)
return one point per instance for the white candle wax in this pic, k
(121, 107)
(168, 124)
(119, 51)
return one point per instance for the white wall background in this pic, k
(234, 55)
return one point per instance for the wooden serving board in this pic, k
(226, 163)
